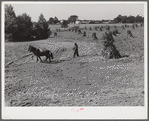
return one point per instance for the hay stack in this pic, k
(55, 34)
(96, 28)
(84, 34)
(129, 33)
(133, 26)
(94, 36)
(123, 27)
(141, 24)
(115, 32)
(100, 29)
(126, 25)
(108, 28)
(109, 51)
(79, 31)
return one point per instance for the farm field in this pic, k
(88, 80)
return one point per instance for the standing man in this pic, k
(75, 50)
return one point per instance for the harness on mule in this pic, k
(39, 52)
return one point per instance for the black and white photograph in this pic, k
(74, 60)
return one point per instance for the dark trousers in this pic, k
(76, 53)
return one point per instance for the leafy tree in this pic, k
(55, 20)
(124, 18)
(51, 20)
(104, 20)
(9, 20)
(72, 18)
(41, 28)
(64, 24)
(129, 19)
(22, 28)
(139, 19)
(118, 19)
(17, 28)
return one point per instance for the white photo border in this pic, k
(103, 112)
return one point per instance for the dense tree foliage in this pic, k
(22, 28)
(64, 24)
(129, 19)
(139, 19)
(42, 28)
(17, 28)
(9, 21)
(53, 20)
(56, 20)
(72, 19)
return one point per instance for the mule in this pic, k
(38, 53)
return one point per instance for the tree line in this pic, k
(21, 28)
(128, 19)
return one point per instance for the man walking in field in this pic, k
(75, 48)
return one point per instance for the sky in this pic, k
(88, 10)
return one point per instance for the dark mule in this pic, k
(38, 52)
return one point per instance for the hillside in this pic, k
(88, 80)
